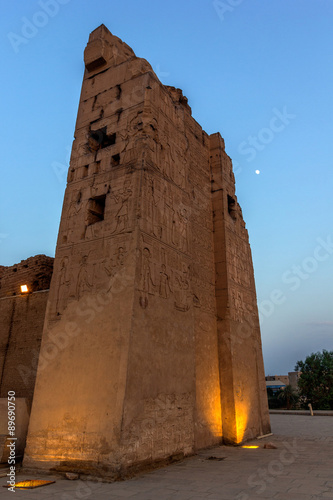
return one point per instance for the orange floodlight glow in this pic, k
(24, 289)
(30, 484)
(241, 422)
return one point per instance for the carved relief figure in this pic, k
(180, 168)
(164, 286)
(83, 279)
(112, 266)
(166, 160)
(120, 256)
(63, 285)
(74, 209)
(76, 204)
(180, 229)
(182, 288)
(167, 215)
(147, 283)
(121, 216)
(151, 205)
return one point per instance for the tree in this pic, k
(288, 396)
(316, 380)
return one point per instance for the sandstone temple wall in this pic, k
(21, 326)
(35, 272)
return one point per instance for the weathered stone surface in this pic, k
(35, 272)
(151, 334)
(21, 325)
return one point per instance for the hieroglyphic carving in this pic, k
(165, 274)
(172, 157)
(202, 268)
(240, 274)
(202, 238)
(147, 284)
(114, 265)
(74, 208)
(239, 262)
(182, 290)
(120, 257)
(180, 229)
(153, 215)
(76, 204)
(179, 159)
(156, 208)
(63, 286)
(164, 286)
(84, 281)
(237, 304)
(167, 213)
(122, 198)
(165, 424)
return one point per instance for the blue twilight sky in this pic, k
(260, 72)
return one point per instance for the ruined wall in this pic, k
(21, 325)
(36, 272)
(134, 337)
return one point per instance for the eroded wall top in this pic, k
(35, 272)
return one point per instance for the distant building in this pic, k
(283, 378)
(293, 379)
(275, 385)
(277, 382)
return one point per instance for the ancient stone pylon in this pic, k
(151, 345)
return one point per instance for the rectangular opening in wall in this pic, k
(115, 160)
(99, 139)
(110, 140)
(85, 171)
(96, 209)
(232, 207)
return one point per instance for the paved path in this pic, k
(301, 468)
